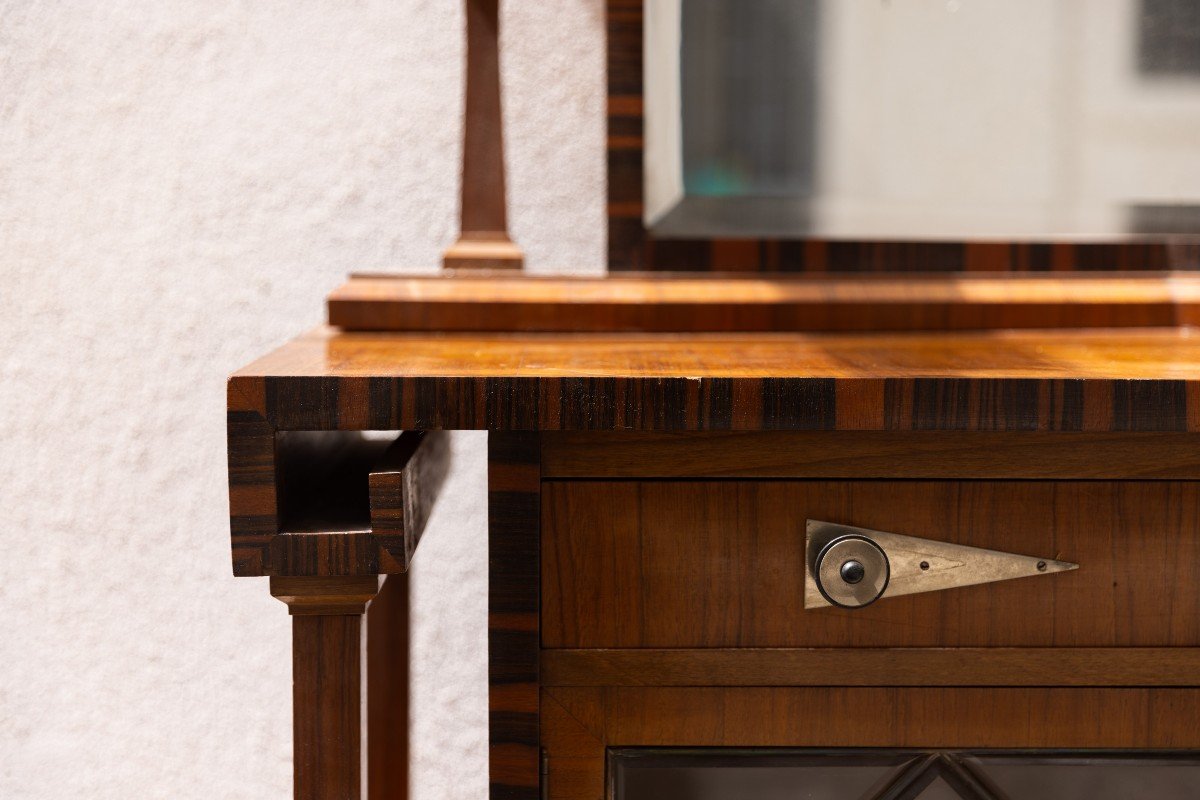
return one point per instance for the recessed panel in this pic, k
(722, 563)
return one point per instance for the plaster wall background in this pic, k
(181, 183)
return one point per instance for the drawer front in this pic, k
(722, 563)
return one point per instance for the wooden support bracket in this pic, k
(403, 486)
(352, 505)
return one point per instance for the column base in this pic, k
(498, 254)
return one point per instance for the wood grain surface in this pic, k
(698, 564)
(484, 241)
(1147, 354)
(344, 497)
(1081, 381)
(325, 533)
(580, 723)
(327, 715)
(690, 302)
(326, 707)
(403, 488)
(882, 717)
(388, 652)
(513, 619)
(315, 596)
(870, 454)
(862, 666)
(631, 247)
(1096, 381)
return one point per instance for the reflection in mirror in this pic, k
(922, 119)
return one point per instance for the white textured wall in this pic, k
(181, 183)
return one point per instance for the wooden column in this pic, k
(387, 690)
(483, 242)
(326, 682)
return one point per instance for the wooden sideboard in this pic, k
(655, 448)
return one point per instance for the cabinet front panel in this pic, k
(722, 563)
(584, 729)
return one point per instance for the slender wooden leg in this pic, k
(326, 706)
(387, 691)
(326, 691)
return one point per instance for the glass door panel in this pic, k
(651, 774)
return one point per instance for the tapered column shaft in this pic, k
(484, 241)
(326, 682)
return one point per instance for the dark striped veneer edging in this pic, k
(514, 496)
(258, 407)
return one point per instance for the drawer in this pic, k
(721, 563)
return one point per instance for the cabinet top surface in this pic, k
(1127, 354)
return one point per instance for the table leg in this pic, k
(326, 682)
(387, 690)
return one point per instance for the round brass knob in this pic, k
(852, 571)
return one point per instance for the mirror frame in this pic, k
(631, 247)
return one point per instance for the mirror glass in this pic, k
(922, 119)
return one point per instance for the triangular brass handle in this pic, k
(852, 567)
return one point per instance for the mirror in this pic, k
(922, 119)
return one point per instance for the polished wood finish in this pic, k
(897, 717)
(848, 666)
(253, 494)
(513, 616)
(721, 563)
(326, 682)
(317, 596)
(1156, 355)
(1084, 381)
(398, 484)
(871, 454)
(1074, 444)
(484, 243)
(387, 690)
(403, 488)
(326, 699)
(692, 578)
(483, 252)
(799, 303)
(1074, 381)
(580, 723)
(632, 247)
(369, 495)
